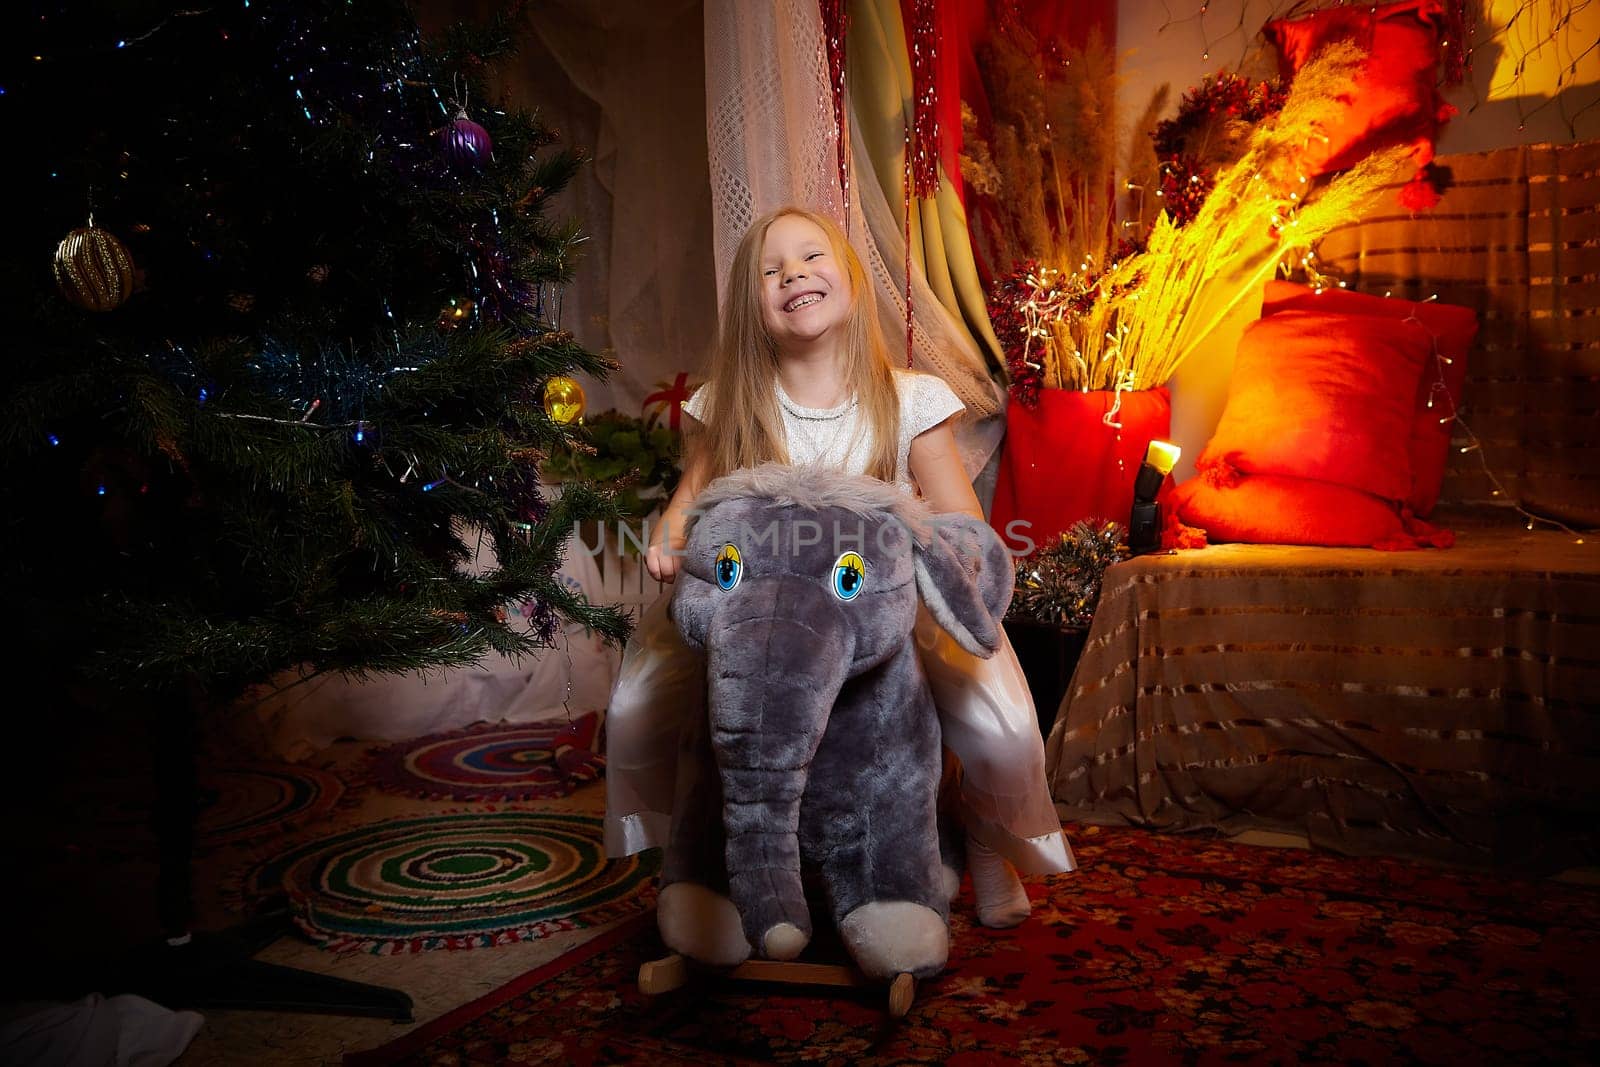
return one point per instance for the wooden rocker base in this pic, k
(671, 972)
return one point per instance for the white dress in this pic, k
(985, 710)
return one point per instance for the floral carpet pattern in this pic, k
(1160, 949)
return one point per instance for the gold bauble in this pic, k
(564, 400)
(92, 269)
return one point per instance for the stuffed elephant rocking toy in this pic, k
(820, 748)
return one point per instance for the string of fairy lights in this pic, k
(1473, 444)
(1051, 301)
(1530, 36)
(1440, 390)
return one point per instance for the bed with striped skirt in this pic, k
(1434, 703)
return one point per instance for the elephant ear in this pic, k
(965, 577)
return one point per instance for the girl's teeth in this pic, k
(803, 302)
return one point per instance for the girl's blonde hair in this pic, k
(742, 424)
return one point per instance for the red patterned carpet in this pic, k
(1160, 950)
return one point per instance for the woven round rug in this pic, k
(244, 803)
(454, 881)
(530, 761)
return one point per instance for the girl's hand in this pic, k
(662, 564)
(663, 558)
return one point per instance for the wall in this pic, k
(1180, 41)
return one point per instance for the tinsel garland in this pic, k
(1220, 97)
(925, 103)
(835, 28)
(921, 178)
(1059, 584)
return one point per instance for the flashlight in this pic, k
(1144, 524)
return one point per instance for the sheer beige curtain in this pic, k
(624, 84)
(771, 140)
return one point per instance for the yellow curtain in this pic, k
(878, 73)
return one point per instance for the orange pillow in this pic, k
(1453, 329)
(1397, 101)
(1282, 510)
(1323, 396)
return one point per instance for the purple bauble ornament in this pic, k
(466, 145)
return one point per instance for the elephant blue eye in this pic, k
(728, 567)
(849, 574)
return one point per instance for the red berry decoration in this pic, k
(1190, 144)
(1011, 327)
(466, 145)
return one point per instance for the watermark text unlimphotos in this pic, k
(886, 535)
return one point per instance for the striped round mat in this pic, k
(243, 803)
(456, 880)
(499, 761)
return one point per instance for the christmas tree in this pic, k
(285, 381)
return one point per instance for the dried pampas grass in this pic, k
(1150, 310)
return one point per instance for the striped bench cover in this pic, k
(1442, 704)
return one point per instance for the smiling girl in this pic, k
(801, 374)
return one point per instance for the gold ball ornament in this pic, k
(564, 400)
(93, 270)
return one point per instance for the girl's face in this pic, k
(805, 291)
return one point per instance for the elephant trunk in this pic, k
(769, 713)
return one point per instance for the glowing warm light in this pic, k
(1162, 455)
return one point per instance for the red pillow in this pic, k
(1442, 379)
(1281, 510)
(1397, 101)
(1323, 396)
